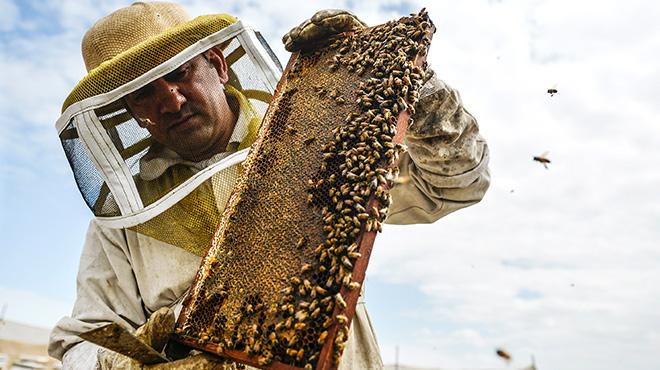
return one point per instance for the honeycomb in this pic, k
(280, 282)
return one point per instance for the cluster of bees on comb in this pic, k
(351, 190)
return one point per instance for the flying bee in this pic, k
(543, 159)
(553, 90)
(503, 354)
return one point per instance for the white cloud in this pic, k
(9, 16)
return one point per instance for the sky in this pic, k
(560, 264)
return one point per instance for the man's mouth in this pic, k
(181, 121)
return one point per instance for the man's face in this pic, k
(186, 110)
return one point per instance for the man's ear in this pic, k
(217, 59)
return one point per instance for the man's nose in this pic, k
(170, 98)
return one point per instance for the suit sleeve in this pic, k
(446, 165)
(106, 292)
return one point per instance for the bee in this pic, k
(263, 361)
(322, 337)
(319, 90)
(309, 140)
(542, 159)
(328, 322)
(346, 262)
(553, 90)
(503, 354)
(213, 261)
(340, 301)
(347, 279)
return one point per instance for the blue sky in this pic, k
(557, 263)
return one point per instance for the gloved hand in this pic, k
(155, 333)
(322, 25)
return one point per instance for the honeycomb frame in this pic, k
(279, 285)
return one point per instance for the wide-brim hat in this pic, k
(133, 40)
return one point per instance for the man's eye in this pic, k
(141, 94)
(178, 74)
(137, 96)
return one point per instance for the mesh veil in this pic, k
(131, 178)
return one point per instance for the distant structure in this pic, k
(2, 314)
(396, 358)
(396, 366)
(400, 367)
(24, 346)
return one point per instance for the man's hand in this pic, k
(323, 24)
(155, 333)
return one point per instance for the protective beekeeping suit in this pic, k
(155, 135)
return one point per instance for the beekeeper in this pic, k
(155, 134)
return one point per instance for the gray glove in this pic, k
(155, 333)
(323, 24)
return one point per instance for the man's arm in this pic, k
(446, 165)
(106, 292)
